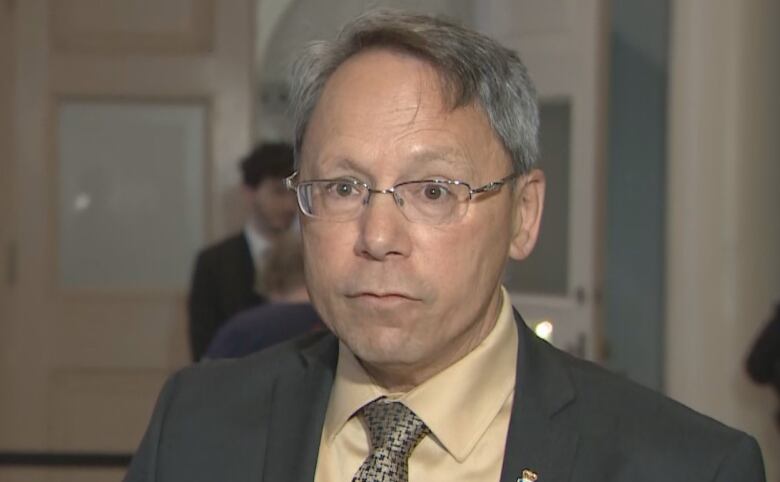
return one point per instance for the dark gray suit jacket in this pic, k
(223, 284)
(260, 419)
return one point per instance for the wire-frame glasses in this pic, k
(427, 201)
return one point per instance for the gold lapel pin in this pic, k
(528, 476)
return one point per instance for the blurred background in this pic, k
(121, 124)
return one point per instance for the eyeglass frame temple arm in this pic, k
(495, 185)
(288, 182)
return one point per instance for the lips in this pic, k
(384, 295)
(382, 300)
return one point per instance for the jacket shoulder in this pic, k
(644, 425)
(258, 370)
(226, 247)
(214, 420)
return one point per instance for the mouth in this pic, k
(382, 298)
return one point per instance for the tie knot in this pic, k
(393, 427)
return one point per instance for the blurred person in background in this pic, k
(287, 315)
(225, 278)
(763, 364)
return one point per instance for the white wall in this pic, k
(285, 26)
(723, 244)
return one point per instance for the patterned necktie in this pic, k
(395, 432)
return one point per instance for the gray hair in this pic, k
(473, 68)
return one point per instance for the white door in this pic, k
(564, 44)
(127, 120)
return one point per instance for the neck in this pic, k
(395, 379)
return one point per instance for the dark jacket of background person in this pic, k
(225, 278)
(763, 363)
(261, 327)
(222, 285)
(288, 313)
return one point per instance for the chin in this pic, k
(382, 350)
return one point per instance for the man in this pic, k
(763, 362)
(416, 143)
(287, 315)
(224, 279)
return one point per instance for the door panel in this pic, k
(546, 270)
(129, 117)
(564, 45)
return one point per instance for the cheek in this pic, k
(315, 271)
(473, 257)
(278, 208)
(326, 264)
(312, 255)
(327, 249)
(262, 194)
(444, 259)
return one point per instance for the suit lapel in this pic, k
(298, 407)
(537, 441)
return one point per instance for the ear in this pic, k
(527, 215)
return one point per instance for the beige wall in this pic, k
(723, 265)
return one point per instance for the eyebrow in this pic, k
(347, 164)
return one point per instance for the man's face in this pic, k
(406, 298)
(273, 206)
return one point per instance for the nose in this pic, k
(384, 231)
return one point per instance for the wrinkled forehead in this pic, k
(392, 79)
(382, 104)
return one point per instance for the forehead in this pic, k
(382, 104)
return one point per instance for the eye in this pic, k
(434, 192)
(341, 188)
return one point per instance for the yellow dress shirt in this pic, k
(467, 406)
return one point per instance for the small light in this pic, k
(82, 202)
(544, 330)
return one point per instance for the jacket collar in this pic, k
(537, 440)
(299, 401)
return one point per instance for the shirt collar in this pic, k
(257, 243)
(458, 404)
